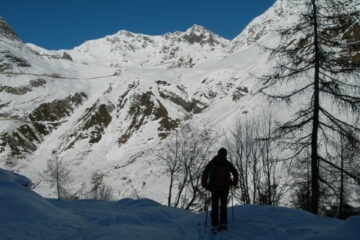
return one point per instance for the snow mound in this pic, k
(7, 177)
(126, 219)
(139, 203)
(352, 226)
(26, 215)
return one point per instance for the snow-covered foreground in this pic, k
(26, 215)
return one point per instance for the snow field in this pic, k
(26, 215)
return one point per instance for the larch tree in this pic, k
(316, 72)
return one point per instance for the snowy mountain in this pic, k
(101, 106)
(262, 25)
(27, 215)
(179, 49)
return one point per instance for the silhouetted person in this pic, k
(217, 179)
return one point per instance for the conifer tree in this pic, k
(316, 73)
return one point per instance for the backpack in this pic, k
(219, 176)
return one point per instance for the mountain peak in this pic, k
(126, 33)
(201, 35)
(6, 30)
(197, 29)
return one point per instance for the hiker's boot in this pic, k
(214, 229)
(222, 227)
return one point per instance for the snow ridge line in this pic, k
(55, 75)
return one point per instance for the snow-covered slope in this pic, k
(280, 14)
(26, 215)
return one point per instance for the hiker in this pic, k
(216, 178)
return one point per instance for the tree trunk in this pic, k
(170, 188)
(341, 201)
(314, 136)
(57, 179)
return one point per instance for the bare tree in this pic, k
(184, 155)
(341, 189)
(99, 190)
(250, 148)
(200, 145)
(171, 157)
(240, 147)
(271, 188)
(349, 157)
(58, 175)
(300, 170)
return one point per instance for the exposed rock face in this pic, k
(41, 122)
(198, 34)
(8, 61)
(66, 56)
(23, 89)
(144, 108)
(6, 30)
(58, 109)
(94, 122)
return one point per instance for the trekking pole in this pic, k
(206, 210)
(232, 204)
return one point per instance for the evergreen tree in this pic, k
(316, 66)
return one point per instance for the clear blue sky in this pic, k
(64, 24)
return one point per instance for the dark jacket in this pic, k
(216, 176)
